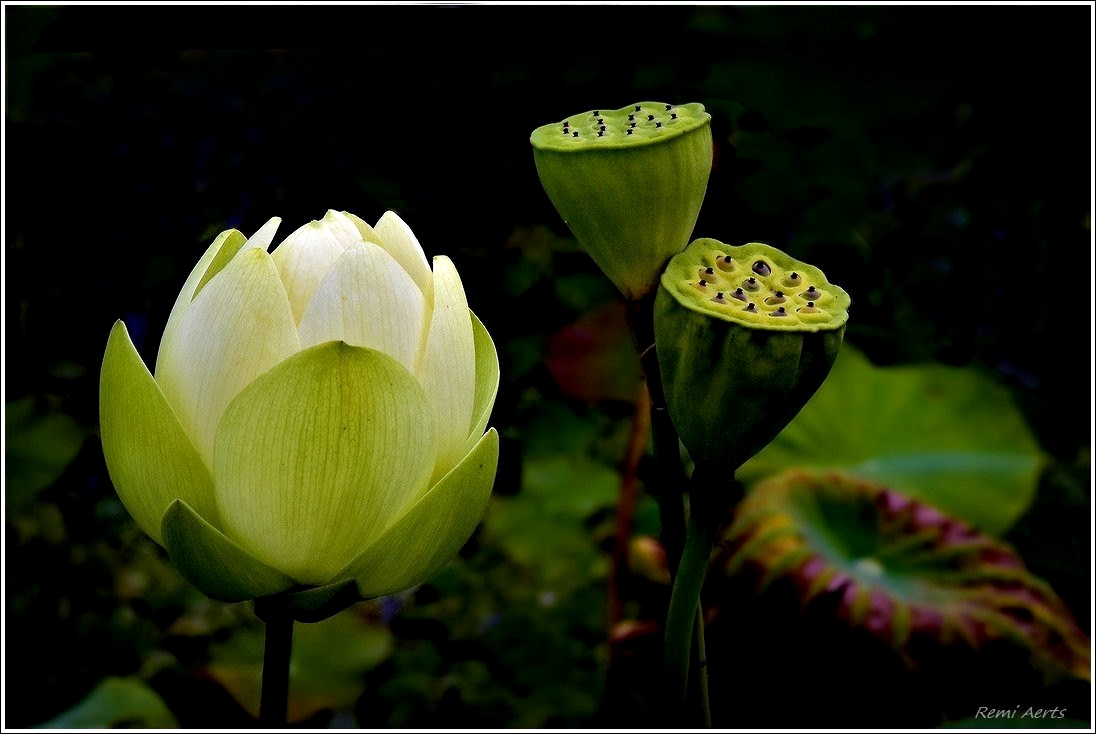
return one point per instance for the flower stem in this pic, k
(684, 620)
(274, 699)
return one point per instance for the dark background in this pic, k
(935, 161)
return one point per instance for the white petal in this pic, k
(367, 300)
(343, 228)
(305, 257)
(261, 239)
(238, 326)
(365, 232)
(400, 242)
(226, 244)
(448, 369)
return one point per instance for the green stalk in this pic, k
(669, 473)
(701, 656)
(274, 699)
(684, 615)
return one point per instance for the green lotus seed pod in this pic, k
(629, 183)
(742, 348)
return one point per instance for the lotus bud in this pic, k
(317, 422)
(742, 351)
(629, 183)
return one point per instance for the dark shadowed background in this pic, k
(935, 161)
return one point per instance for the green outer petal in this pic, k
(238, 327)
(212, 562)
(304, 258)
(319, 455)
(368, 300)
(432, 532)
(448, 368)
(150, 458)
(487, 381)
(320, 602)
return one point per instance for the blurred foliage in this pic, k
(948, 436)
(934, 161)
(117, 703)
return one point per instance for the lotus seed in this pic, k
(792, 279)
(779, 312)
(637, 108)
(812, 293)
(751, 284)
(669, 106)
(650, 117)
(673, 115)
(775, 298)
(725, 263)
(762, 268)
(739, 294)
(719, 298)
(751, 308)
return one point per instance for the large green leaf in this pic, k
(117, 703)
(951, 437)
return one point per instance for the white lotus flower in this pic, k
(317, 415)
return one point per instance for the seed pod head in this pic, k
(736, 370)
(629, 183)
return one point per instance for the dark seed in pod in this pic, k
(739, 294)
(762, 268)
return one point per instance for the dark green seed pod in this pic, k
(735, 377)
(629, 183)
